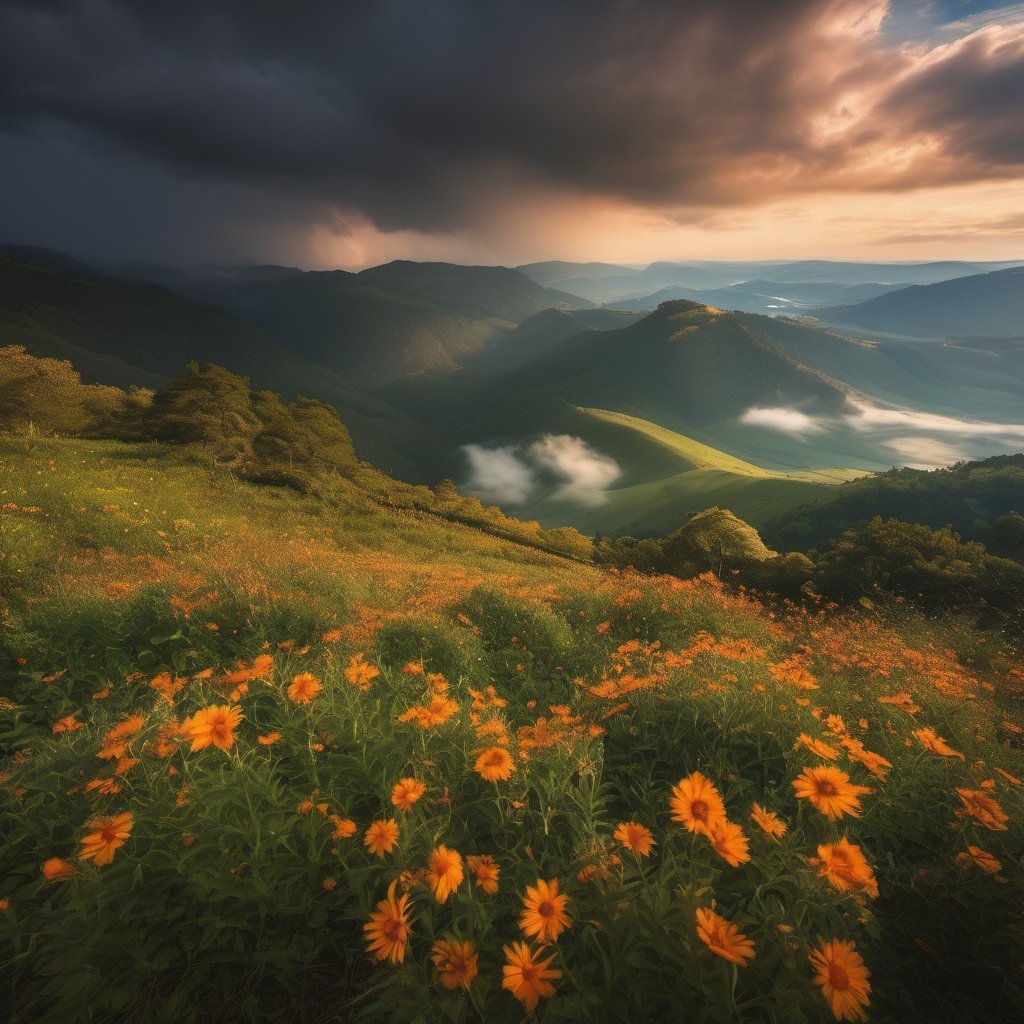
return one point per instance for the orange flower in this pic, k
(544, 911)
(818, 747)
(387, 931)
(330, 884)
(456, 962)
(67, 724)
(983, 807)
(444, 872)
(977, 857)
(381, 836)
(212, 726)
(406, 792)
(495, 765)
(635, 837)
(343, 827)
(769, 822)
(486, 871)
(55, 868)
(830, 791)
(845, 867)
(270, 739)
(115, 743)
(304, 688)
(730, 843)
(936, 744)
(856, 752)
(527, 976)
(696, 804)
(108, 835)
(723, 938)
(263, 667)
(360, 673)
(1010, 778)
(840, 971)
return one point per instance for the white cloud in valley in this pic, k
(785, 420)
(587, 472)
(513, 474)
(498, 475)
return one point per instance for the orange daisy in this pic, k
(977, 857)
(270, 739)
(304, 688)
(456, 962)
(444, 872)
(730, 843)
(830, 791)
(495, 764)
(723, 938)
(381, 836)
(406, 792)
(636, 838)
(544, 911)
(343, 827)
(486, 871)
(387, 931)
(359, 672)
(696, 804)
(981, 806)
(213, 726)
(527, 976)
(769, 822)
(108, 835)
(845, 867)
(936, 744)
(840, 971)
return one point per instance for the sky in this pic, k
(349, 134)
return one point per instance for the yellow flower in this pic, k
(528, 977)
(495, 765)
(382, 836)
(456, 962)
(304, 688)
(723, 938)
(212, 726)
(840, 971)
(406, 792)
(387, 931)
(845, 867)
(544, 911)
(444, 872)
(769, 822)
(635, 837)
(830, 791)
(486, 871)
(108, 835)
(696, 804)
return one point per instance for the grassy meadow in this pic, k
(269, 757)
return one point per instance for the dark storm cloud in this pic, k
(422, 115)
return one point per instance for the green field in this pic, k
(656, 496)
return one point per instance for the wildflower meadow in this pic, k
(269, 759)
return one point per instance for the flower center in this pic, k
(529, 972)
(699, 809)
(839, 979)
(546, 908)
(393, 929)
(825, 787)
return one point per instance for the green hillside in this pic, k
(126, 333)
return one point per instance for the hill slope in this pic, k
(129, 333)
(982, 304)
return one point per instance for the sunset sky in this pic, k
(348, 134)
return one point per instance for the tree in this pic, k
(713, 539)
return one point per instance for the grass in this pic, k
(139, 589)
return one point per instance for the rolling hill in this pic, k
(387, 322)
(131, 333)
(981, 304)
